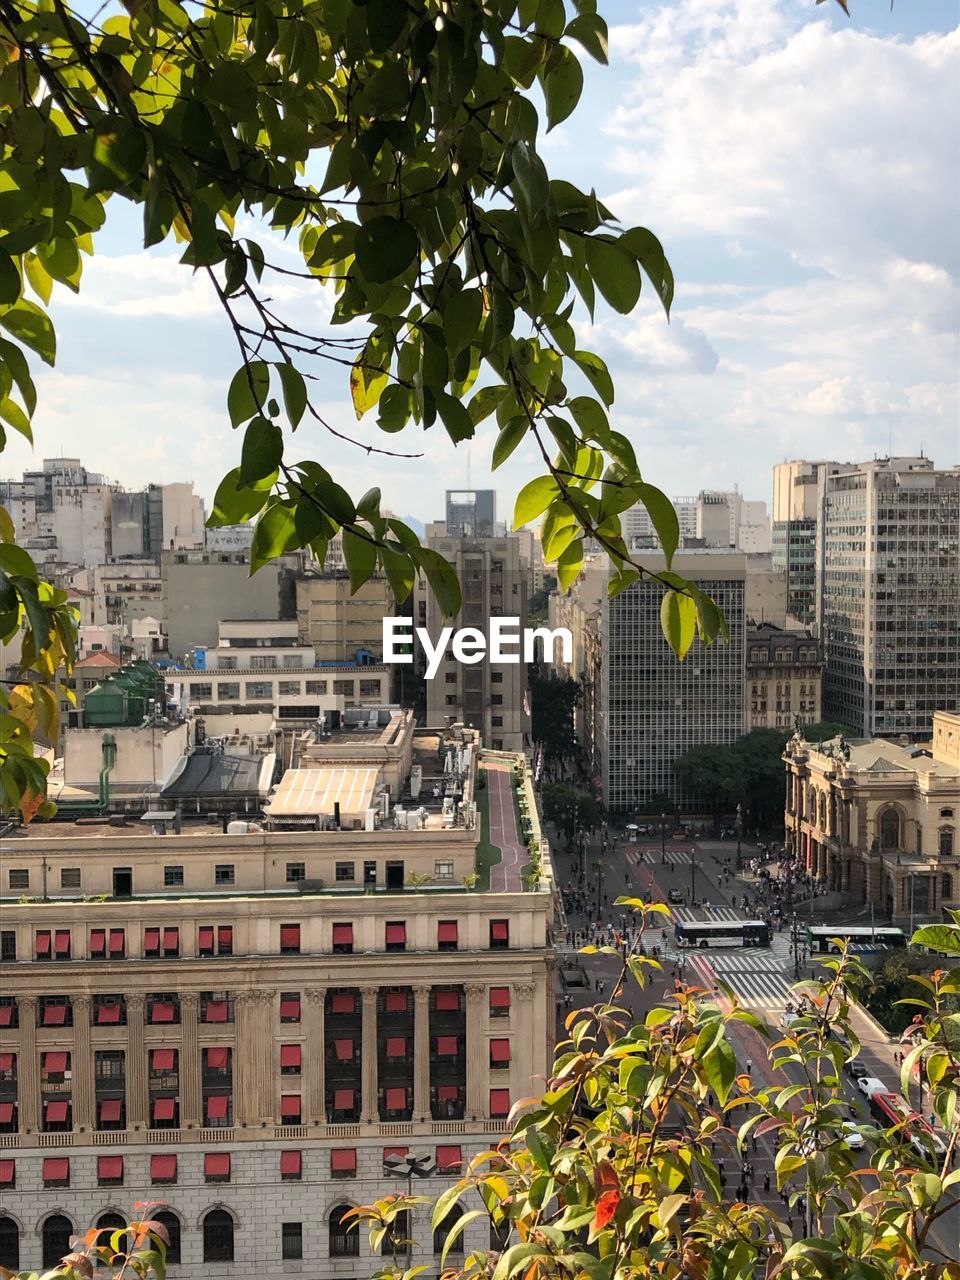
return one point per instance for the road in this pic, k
(505, 876)
(761, 978)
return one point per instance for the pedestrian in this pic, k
(754, 1141)
(766, 1182)
(749, 1066)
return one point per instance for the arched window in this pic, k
(172, 1224)
(823, 811)
(946, 887)
(344, 1240)
(9, 1244)
(889, 829)
(499, 1234)
(218, 1236)
(396, 1238)
(55, 1239)
(110, 1222)
(443, 1230)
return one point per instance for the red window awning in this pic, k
(448, 1093)
(110, 1168)
(396, 1002)
(396, 1046)
(446, 1046)
(400, 1152)
(343, 1160)
(447, 931)
(110, 1110)
(290, 936)
(290, 1106)
(8, 1173)
(343, 1002)
(343, 1050)
(216, 1164)
(171, 939)
(56, 1169)
(499, 997)
(447, 1001)
(6, 1015)
(291, 1164)
(117, 942)
(290, 1055)
(107, 1013)
(56, 1112)
(290, 1007)
(54, 1015)
(396, 933)
(162, 1059)
(6, 1112)
(343, 1099)
(499, 1102)
(500, 930)
(499, 1050)
(98, 941)
(163, 1168)
(225, 935)
(205, 938)
(43, 942)
(449, 1157)
(161, 1011)
(54, 1062)
(164, 1108)
(151, 940)
(218, 1106)
(215, 1011)
(6, 1061)
(217, 1058)
(62, 942)
(342, 933)
(396, 1099)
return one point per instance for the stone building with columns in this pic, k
(880, 820)
(243, 1026)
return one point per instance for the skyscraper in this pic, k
(471, 513)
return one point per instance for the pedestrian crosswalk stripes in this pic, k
(700, 915)
(758, 961)
(766, 990)
(651, 857)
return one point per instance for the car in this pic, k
(856, 1070)
(675, 896)
(851, 1135)
(869, 1085)
(788, 1018)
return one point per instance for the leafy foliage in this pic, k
(553, 701)
(573, 811)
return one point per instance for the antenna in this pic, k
(890, 439)
(468, 465)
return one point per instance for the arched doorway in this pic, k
(55, 1239)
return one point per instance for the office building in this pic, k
(242, 1025)
(162, 517)
(794, 531)
(471, 513)
(784, 670)
(721, 519)
(880, 820)
(200, 588)
(341, 625)
(888, 595)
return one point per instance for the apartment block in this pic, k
(784, 671)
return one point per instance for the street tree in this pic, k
(571, 811)
(553, 702)
(714, 774)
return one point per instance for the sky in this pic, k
(801, 171)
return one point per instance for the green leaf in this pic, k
(615, 273)
(678, 621)
(533, 499)
(942, 938)
(648, 251)
(234, 504)
(232, 86)
(590, 417)
(119, 155)
(508, 439)
(597, 373)
(461, 319)
(562, 86)
(361, 557)
(10, 282)
(531, 184)
(454, 415)
(569, 564)
(249, 389)
(664, 517)
(16, 362)
(591, 31)
(367, 382)
(262, 450)
(442, 579)
(294, 392)
(33, 327)
(276, 532)
(385, 248)
(485, 402)
(720, 1069)
(13, 415)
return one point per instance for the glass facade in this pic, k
(795, 555)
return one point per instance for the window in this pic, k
(9, 1013)
(171, 1222)
(343, 938)
(173, 877)
(18, 878)
(499, 1054)
(496, 677)
(289, 1006)
(215, 1006)
(443, 1229)
(163, 1169)
(296, 871)
(201, 691)
(499, 1002)
(291, 1239)
(56, 1171)
(343, 1240)
(8, 1068)
(345, 872)
(450, 700)
(291, 1059)
(499, 935)
(315, 686)
(945, 843)
(9, 1231)
(54, 1011)
(499, 1103)
(228, 690)
(259, 690)
(110, 1171)
(117, 943)
(164, 1113)
(218, 1236)
(447, 938)
(396, 1238)
(289, 939)
(369, 688)
(216, 1166)
(8, 945)
(496, 722)
(449, 1159)
(496, 699)
(163, 1009)
(291, 1108)
(344, 687)
(69, 877)
(56, 1233)
(291, 1166)
(343, 1162)
(395, 935)
(443, 869)
(223, 873)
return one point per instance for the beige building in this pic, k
(200, 588)
(338, 624)
(880, 820)
(784, 671)
(243, 1026)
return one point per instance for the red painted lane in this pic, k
(505, 877)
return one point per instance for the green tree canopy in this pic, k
(553, 701)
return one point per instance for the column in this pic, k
(529, 1023)
(246, 1104)
(268, 1069)
(191, 1089)
(314, 1102)
(369, 1111)
(421, 1053)
(28, 1066)
(476, 1057)
(84, 1102)
(136, 1065)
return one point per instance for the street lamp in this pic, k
(663, 839)
(739, 826)
(408, 1166)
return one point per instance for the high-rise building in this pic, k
(888, 594)
(723, 519)
(471, 513)
(794, 531)
(201, 588)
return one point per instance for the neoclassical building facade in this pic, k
(880, 820)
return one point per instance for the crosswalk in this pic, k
(651, 857)
(698, 914)
(757, 984)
